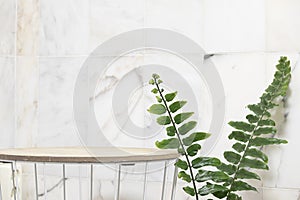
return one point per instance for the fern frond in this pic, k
(258, 130)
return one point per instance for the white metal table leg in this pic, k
(164, 181)
(36, 182)
(145, 181)
(64, 181)
(174, 183)
(92, 176)
(117, 193)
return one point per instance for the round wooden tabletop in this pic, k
(86, 154)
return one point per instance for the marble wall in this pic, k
(43, 44)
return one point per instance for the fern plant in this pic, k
(222, 180)
(250, 136)
(181, 139)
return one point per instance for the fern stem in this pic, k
(180, 141)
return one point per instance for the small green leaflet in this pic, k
(181, 164)
(171, 131)
(256, 164)
(239, 147)
(211, 188)
(256, 153)
(240, 186)
(245, 174)
(232, 157)
(182, 116)
(205, 161)
(260, 141)
(184, 176)
(163, 120)
(185, 128)
(169, 97)
(189, 190)
(171, 143)
(157, 109)
(216, 176)
(243, 126)
(176, 106)
(193, 149)
(239, 136)
(229, 169)
(194, 137)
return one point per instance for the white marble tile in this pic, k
(8, 27)
(126, 71)
(27, 88)
(179, 16)
(280, 193)
(57, 79)
(282, 25)
(112, 17)
(233, 26)
(64, 27)
(238, 72)
(7, 102)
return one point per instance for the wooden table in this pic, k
(91, 156)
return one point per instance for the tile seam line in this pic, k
(213, 53)
(15, 74)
